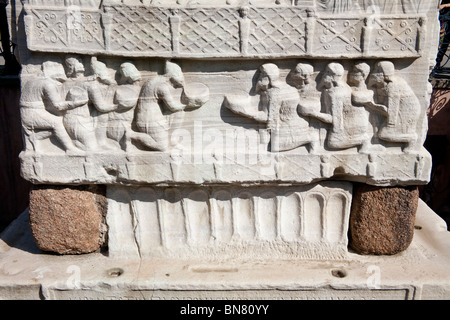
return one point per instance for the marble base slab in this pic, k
(420, 272)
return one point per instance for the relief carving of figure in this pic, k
(310, 99)
(277, 109)
(126, 98)
(362, 97)
(398, 103)
(156, 107)
(288, 130)
(87, 124)
(78, 121)
(349, 122)
(42, 107)
(101, 93)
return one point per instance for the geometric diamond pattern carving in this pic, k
(395, 34)
(334, 33)
(277, 31)
(68, 28)
(209, 31)
(202, 32)
(50, 27)
(140, 29)
(86, 28)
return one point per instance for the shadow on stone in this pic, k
(18, 235)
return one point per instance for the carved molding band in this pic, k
(226, 32)
(388, 169)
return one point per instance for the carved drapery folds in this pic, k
(293, 91)
(343, 108)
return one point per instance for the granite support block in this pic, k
(382, 219)
(68, 220)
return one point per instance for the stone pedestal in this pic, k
(418, 273)
(225, 130)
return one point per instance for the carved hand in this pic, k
(76, 103)
(377, 107)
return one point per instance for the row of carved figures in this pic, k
(85, 113)
(294, 112)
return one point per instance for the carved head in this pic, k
(54, 70)
(268, 78)
(332, 76)
(175, 74)
(359, 73)
(129, 73)
(301, 75)
(101, 71)
(74, 67)
(382, 73)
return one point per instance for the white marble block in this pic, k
(227, 128)
(222, 223)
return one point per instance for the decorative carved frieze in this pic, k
(309, 222)
(342, 121)
(224, 32)
(358, 119)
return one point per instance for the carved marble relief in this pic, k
(226, 129)
(41, 106)
(399, 105)
(230, 30)
(111, 116)
(307, 222)
(240, 91)
(156, 110)
(95, 109)
(294, 117)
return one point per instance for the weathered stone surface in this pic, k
(345, 92)
(382, 219)
(242, 95)
(421, 272)
(230, 223)
(68, 220)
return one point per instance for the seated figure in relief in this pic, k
(398, 103)
(42, 108)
